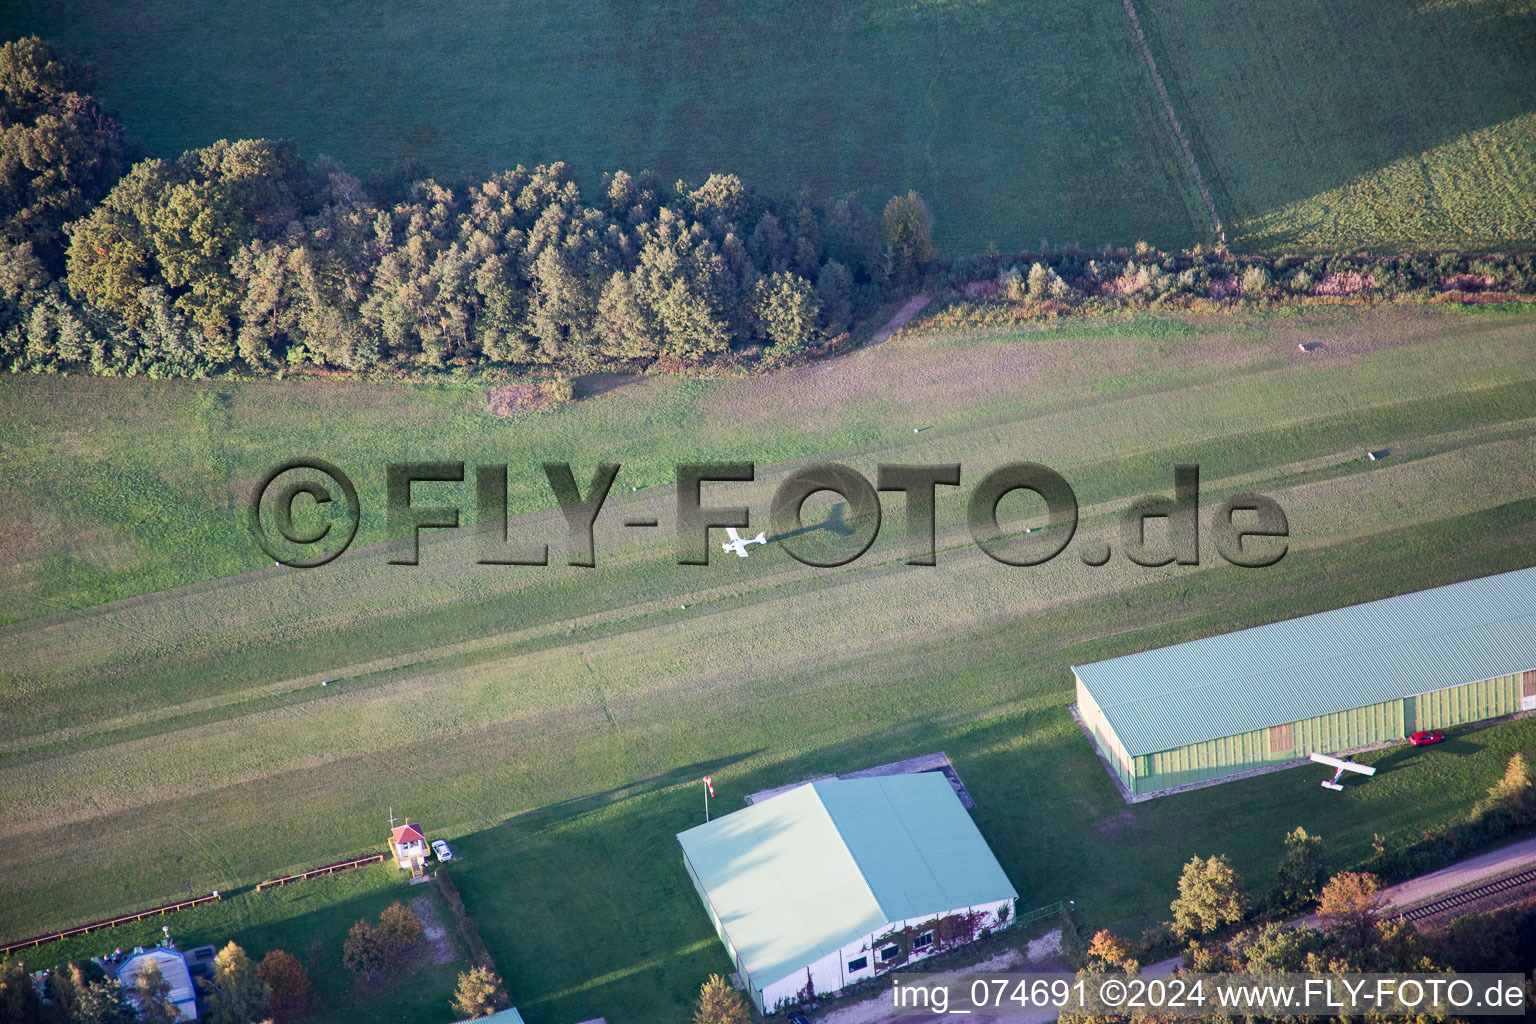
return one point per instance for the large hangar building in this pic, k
(1336, 681)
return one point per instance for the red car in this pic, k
(1424, 739)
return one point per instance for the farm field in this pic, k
(1327, 126)
(554, 722)
(1015, 123)
(1318, 126)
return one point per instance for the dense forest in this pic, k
(244, 255)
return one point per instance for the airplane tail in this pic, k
(762, 538)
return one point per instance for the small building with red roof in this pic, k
(409, 845)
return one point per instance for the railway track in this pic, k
(1472, 895)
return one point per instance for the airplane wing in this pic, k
(741, 550)
(730, 531)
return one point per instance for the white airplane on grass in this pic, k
(1339, 768)
(738, 543)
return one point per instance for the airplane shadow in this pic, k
(836, 522)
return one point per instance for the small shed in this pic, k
(409, 845)
(173, 967)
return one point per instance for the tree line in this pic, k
(1217, 926)
(246, 256)
(240, 991)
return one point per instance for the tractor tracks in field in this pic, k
(1173, 120)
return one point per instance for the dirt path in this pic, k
(432, 929)
(905, 313)
(1173, 119)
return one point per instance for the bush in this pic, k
(558, 389)
(1256, 281)
(1012, 286)
(1514, 794)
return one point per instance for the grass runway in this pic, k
(554, 722)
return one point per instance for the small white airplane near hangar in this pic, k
(1339, 768)
(738, 543)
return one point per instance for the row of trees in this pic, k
(240, 992)
(245, 255)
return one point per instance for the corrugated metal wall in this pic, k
(1343, 730)
(1460, 704)
(1103, 735)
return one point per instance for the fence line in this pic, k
(326, 869)
(166, 908)
(1045, 911)
(111, 922)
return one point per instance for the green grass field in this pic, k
(1318, 125)
(1327, 126)
(1016, 123)
(554, 722)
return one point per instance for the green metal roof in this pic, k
(509, 1016)
(804, 873)
(1318, 664)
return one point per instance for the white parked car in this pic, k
(441, 849)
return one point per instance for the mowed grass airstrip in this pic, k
(554, 722)
(1319, 124)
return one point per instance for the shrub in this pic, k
(558, 389)
(1514, 793)
(1256, 281)
(1108, 951)
(1012, 286)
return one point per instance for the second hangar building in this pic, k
(840, 880)
(1335, 681)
